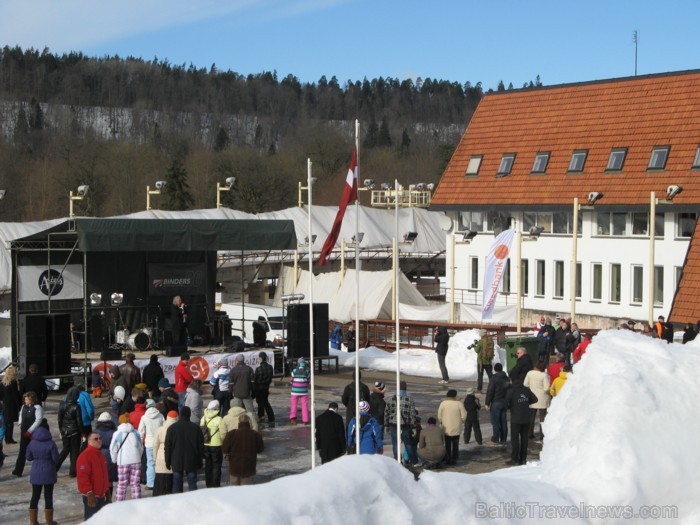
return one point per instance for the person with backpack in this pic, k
(484, 349)
(370, 433)
(301, 377)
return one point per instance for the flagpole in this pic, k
(312, 409)
(357, 292)
(397, 327)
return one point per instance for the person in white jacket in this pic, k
(126, 450)
(151, 421)
(537, 380)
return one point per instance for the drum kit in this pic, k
(143, 339)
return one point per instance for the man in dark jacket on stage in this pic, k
(522, 367)
(330, 434)
(184, 450)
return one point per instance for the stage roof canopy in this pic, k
(142, 235)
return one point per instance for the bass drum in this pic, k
(139, 341)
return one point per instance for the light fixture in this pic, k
(468, 235)
(313, 180)
(410, 237)
(306, 239)
(360, 236)
(2, 194)
(594, 197)
(293, 297)
(117, 298)
(95, 299)
(228, 185)
(369, 184)
(535, 231)
(386, 186)
(160, 185)
(430, 186)
(78, 196)
(673, 191)
(420, 186)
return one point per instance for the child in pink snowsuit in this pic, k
(300, 390)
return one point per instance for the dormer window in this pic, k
(540, 164)
(617, 159)
(474, 165)
(696, 160)
(658, 158)
(506, 164)
(578, 161)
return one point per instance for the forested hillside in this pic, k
(119, 125)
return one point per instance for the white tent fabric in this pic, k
(502, 314)
(432, 312)
(340, 293)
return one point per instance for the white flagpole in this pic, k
(357, 294)
(397, 328)
(312, 410)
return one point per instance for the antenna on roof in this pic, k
(635, 39)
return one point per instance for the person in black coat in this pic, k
(348, 398)
(564, 341)
(70, 424)
(442, 339)
(152, 373)
(522, 367)
(330, 434)
(518, 399)
(35, 382)
(184, 450)
(496, 404)
(472, 405)
(377, 404)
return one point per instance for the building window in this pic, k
(611, 223)
(619, 223)
(637, 284)
(658, 285)
(578, 160)
(559, 279)
(658, 158)
(474, 281)
(617, 159)
(525, 276)
(540, 164)
(579, 280)
(539, 277)
(474, 165)
(597, 292)
(615, 282)
(679, 274)
(506, 164)
(603, 221)
(506, 277)
(685, 224)
(659, 227)
(640, 223)
(543, 220)
(696, 160)
(473, 220)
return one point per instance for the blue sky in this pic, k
(459, 40)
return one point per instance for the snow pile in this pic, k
(623, 429)
(461, 360)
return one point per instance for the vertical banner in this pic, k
(495, 266)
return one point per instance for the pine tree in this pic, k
(383, 137)
(405, 143)
(372, 135)
(177, 196)
(221, 141)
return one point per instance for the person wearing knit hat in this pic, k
(167, 397)
(117, 403)
(213, 457)
(300, 392)
(163, 483)
(106, 428)
(377, 404)
(126, 450)
(104, 416)
(472, 406)
(119, 393)
(451, 417)
(163, 383)
(370, 433)
(150, 423)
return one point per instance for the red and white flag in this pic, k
(349, 195)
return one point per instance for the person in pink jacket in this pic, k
(301, 377)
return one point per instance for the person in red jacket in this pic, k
(554, 369)
(93, 478)
(183, 378)
(581, 348)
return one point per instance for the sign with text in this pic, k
(168, 279)
(37, 283)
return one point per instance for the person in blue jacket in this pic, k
(370, 433)
(337, 337)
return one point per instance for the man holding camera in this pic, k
(484, 349)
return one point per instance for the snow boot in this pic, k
(48, 514)
(33, 517)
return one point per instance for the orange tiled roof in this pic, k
(686, 306)
(637, 113)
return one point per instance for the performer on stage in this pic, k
(179, 318)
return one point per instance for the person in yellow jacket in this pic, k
(559, 382)
(213, 457)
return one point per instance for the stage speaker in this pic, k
(97, 342)
(175, 350)
(298, 337)
(111, 354)
(45, 340)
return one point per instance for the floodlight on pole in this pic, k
(79, 195)
(227, 186)
(160, 185)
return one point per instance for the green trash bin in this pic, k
(511, 344)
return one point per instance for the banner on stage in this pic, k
(37, 283)
(201, 367)
(168, 279)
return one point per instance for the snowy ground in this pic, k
(620, 447)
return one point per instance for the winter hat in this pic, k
(150, 403)
(240, 358)
(380, 387)
(213, 405)
(482, 332)
(185, 412)
(470, 391)
(172, 414)
(105, 416)
(163, 383)
(141, 386)
(364, 406)
(119, 393)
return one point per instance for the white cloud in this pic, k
(80, 24)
